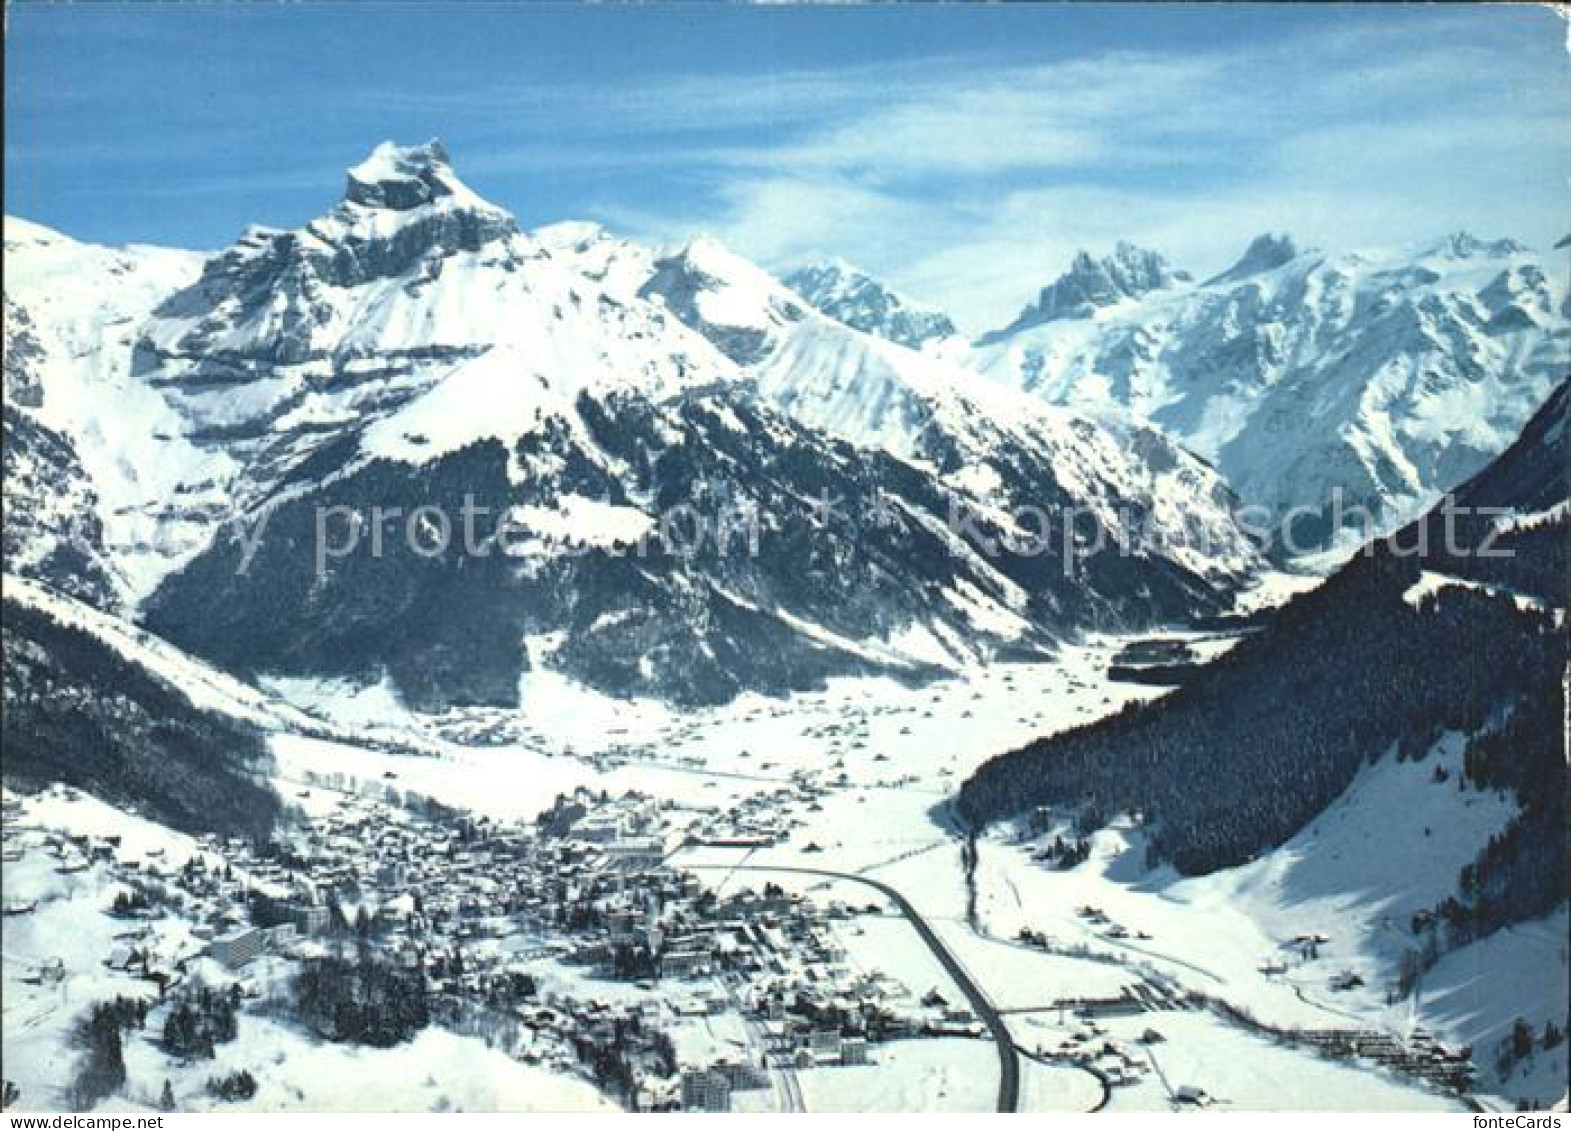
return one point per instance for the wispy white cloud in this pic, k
(974, 187)
(968, 177)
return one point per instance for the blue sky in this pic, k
(963, 152)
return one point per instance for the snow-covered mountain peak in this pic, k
(408, 196)
(878, 394)
(256, 235)
(1266, 252)
(403, 177)
(84, 441)
(1465, 245)
(1136, 259)
(850, 295)
(355, 282)
(734, 303)
(832, 269)
(706, 255)
(616, 267)
(1090, 284)
(571, 235)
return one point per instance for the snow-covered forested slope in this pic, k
(205, 687)
(1382, 769)
(988, 445)
(1387, 377)
(1379, 662)
(92, 702)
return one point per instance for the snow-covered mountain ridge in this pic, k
(92, 454)
(1385, 377)
(850, 295)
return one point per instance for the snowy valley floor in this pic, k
(888, 758)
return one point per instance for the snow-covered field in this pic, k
(1239, 1071)
(435, 1070)
(909, 1076)
(902, 750)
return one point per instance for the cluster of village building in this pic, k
(575, 938)
(486, 912)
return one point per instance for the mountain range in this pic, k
(1378, 378)
(178, 426)
(413, 347)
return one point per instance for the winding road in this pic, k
(1008, 1056)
